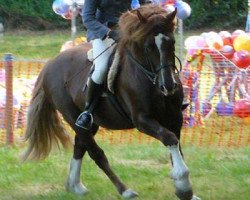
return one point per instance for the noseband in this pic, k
(153, 74)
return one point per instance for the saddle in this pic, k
(113, 68)
(108, 85)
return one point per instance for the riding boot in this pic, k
(85, 119)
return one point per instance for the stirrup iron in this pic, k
(84, 124)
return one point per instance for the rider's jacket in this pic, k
(101, 15)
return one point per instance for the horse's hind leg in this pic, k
(98, 155)
(84, 141)
(70, 113)
(73, 183)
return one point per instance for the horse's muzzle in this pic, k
(168, 90)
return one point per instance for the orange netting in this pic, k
(214, 87)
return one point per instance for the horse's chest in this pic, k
(167, 112)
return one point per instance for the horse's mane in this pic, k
(134, 30)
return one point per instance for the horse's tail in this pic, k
(44, 126)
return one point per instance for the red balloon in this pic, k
(242, 108)
(226, 37)
(68, 15)
(242, 59)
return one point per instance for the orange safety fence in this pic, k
(215, 89)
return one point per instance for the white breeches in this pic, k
(101, 63)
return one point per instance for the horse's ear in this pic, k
(171, 16)
(141, 18)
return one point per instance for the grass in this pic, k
(37, 45)
(216, 173)
(33, 45)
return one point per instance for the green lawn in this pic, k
(39, 45)
(33, 45)
(216, 173)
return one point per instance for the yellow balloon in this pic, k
(242, 42)
(247, 120)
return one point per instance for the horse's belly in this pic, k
(107, 116)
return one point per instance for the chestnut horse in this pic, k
(148, 93)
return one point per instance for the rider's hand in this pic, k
(114, 34)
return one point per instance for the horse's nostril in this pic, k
(175, 85)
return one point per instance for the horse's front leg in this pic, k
(180, 171)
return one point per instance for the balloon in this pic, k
(67, 15)
(169, 8)
(195, 42)
(242, 108)
(246, 120)
(242, 42)
(227, 51)
(135, 4)
(236, 33)
(60, 7)
(67, 45)
(224, 109)
(204, 35)
(226, 37)
(70, 2)
(242, 59)
(183, 10)
(214, 40)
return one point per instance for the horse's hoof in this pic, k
(185, 195)
(195, 198)
(78, 189)
(129, 194)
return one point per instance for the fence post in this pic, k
(180, 31)
(9, 122)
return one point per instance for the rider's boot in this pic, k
(85, 119)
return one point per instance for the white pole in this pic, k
(248, 18)
(180, 31)
(1, 32)
(73, 22)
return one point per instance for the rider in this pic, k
(100, 17)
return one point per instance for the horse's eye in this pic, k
(149, 43)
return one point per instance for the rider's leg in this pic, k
(94, 91)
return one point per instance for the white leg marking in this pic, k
(129, 194)
(180, 171)
(73, 183)
(195, 198)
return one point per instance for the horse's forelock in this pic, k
(133, 30)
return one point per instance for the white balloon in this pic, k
(70, 2)
(183, 10)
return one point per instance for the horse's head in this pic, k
(148, 33)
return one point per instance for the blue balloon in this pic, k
(60, 8)
(135, 4)
(183, 10)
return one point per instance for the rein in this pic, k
(153, 74)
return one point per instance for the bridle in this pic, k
(152, 74)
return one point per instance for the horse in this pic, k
(148, 95)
